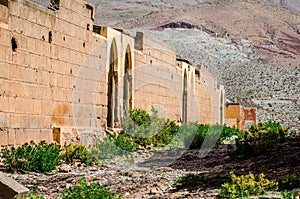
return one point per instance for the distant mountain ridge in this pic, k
(291, 4)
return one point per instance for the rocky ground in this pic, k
(150, 174)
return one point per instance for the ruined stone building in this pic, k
(62, 75)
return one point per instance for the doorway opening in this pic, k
(112, 92)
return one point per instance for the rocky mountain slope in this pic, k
(291, 4)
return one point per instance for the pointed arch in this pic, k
(112, 92)
(127, 88)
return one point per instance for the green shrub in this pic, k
(78, 152)
(260, 137)
(148, 129)
(215, 134)
(33, 195)
(140, 117)
(290, 182)
(289, 194)
(246, 185)
(124, 142)
(34, 157)
(185, 135)
(166, 134)
(106, 149)
(140, 124)
(89, 191)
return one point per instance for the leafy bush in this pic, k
(166, 134)
(140, 124)
(216, 134)
(185, 135)
(246, 185)
(114, 145)
(124, 142)
(106, 149)
(290, 182)
(33, 195)
(89, 191)
(260, 137)
(148, 129)
(289, 194)
(78, 152)
(40, 157)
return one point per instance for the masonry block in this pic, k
(11, 137)
(9, 188)
(4, 137)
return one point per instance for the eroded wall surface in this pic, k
(65, 79)
(44, 60)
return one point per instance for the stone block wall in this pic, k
(47, 59)
(65, 79)
(157, 80)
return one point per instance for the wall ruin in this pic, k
(63, 78)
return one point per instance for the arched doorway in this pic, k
(184, 98)
(127, 89)
(112, 92)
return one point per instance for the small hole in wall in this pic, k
(14, 44)
(64, 38)
(150, 61)
(83, 44)
(88, 27)
(43, 38)
(71, 71)
(50, 37)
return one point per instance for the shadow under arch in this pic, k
(184, 98)
(127, 81)
(112, 91)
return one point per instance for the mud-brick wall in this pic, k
(157, 80)
(248, 117)
(204, 102)
(42, 56)
(232, 115)
(212, 95)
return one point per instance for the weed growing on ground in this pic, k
(247, 185)
(289, 194)
(78, 152)
(92, 190)
(41, 157)
(260, 137)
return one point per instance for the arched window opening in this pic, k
(112, 92)
(127, 89)
(184, 99)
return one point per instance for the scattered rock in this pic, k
(65, 168)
